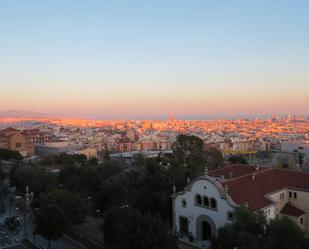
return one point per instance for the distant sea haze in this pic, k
(33, 114)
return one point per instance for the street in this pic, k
(10, 241)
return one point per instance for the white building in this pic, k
(208, 202)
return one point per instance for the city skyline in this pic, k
(138, 58)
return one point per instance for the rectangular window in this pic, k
(183, 225)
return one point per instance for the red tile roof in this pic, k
(290, 210)
(245, 189)
(236, 170)
(9, 129)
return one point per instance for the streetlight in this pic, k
(26, 204)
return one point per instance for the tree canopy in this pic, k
(126, 228)
(10, 155)
(250, 230)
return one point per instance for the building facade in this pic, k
(16, 140)
(209, 201)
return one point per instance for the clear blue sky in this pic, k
(137, 58)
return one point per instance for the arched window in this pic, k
(295, 195)
(206, 201)
(198, 199)
(213, 203)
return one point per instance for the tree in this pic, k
(234, 159)
(251, 231)
(214, 158)
(49, 220)
(92, 162)
(73, 204)
(64, 159)
(283, 233)
(188, 154)
(57, 209)
(38, 180)
(126, 228)
(106, 156)
(10, 155)
(246, 231)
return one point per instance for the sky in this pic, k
(131, 58)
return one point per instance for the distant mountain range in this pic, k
(19, 114)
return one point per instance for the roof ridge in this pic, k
(231, 166)
(249, 174)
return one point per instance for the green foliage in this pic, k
(283, 233)
(73, 204)
(38, 180)
(126, 228)
(57, 209)
(7, 155)
(188, 151)
(106, 156)
(147, 187)
(50, 221)
(245, 232)
(64, 159)
(234, 159)
(250, 230)
(190, 157)
(88, 179)
(213, 158)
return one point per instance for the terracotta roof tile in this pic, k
(234, 171)
(253, 190)
(289, 209)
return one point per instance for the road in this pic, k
(11, 241)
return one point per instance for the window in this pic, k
(229, 215)
(198, 200)
(183, 203)
(290, 194)
(281, 196)
(213, 203)
(295, 195)
(183, 225)
(301, 221)
(206, 201)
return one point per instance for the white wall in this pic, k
(192, 211)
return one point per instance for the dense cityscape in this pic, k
(52, 147)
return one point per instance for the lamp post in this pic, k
(26, 204)
(98, 214)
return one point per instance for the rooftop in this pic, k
(290, 210)
(253, 187)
